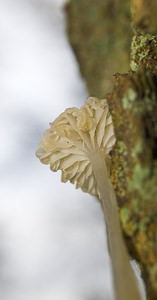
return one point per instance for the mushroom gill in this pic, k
(78, 143)
(73, 138)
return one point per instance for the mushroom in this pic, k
(78, 143)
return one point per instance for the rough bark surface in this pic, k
(100, 34)
(102, 47)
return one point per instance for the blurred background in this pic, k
(52, 237)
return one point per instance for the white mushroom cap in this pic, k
(72, 139)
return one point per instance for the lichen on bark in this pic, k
(134, 168)
(144, 52)
(100, 34)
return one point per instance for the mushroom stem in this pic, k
(125, 281)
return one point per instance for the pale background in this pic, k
(52, 237)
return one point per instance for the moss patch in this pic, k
(144, 52)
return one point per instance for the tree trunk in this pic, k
(100, 34)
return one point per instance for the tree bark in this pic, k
(101, 34)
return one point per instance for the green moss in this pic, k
(139, 47)
(143, 52)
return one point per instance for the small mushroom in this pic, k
(78, 143)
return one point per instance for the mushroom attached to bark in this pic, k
(78, 143)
